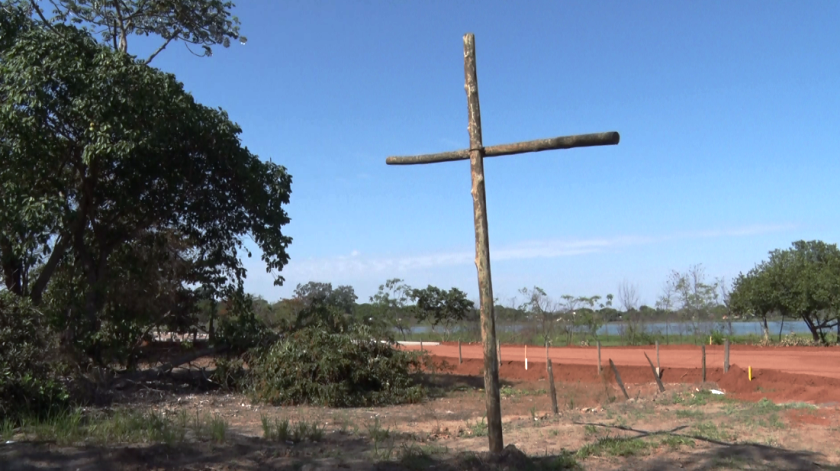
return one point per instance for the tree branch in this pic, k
(43, 18)
(49, 268)
(161, 48)
(119, 21)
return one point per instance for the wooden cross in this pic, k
(476, 154)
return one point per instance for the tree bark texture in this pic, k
(482, 251)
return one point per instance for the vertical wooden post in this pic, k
(476, 154)
(655, 374)
(460, 358)
(552, 392)
(599, 358)
(499, 351)
(703, 360)
(618, 379)
(482, 250)
(726, 356)
(421, 345)
(658, 370)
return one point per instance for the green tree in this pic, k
(591, 319)
(540, 308)
(99, 151)
(391, 302)
(802, 282)
(319, 302)
(202, 23)
(440, 306)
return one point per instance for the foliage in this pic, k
(349, 369)
(540, 308)
(391, 301)
(590, 319)
(203, 23)
(691, 295)
(803, 281)
(101, 155)
(320, 303)
(441, 307)
(29, 371)
(239, 329)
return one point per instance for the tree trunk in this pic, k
(12, 267)
(766, 330)
(815, 333)
(781, 328)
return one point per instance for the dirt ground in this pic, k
(686, 427)
(819, 361)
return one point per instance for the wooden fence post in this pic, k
(726, 355)
(658, 369)
(618, 379)
(655, 375)
(599, 358)
(552, 392)
(499, 351)
(703, 360)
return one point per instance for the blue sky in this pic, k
(728, 113)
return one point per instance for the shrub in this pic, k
(241, 333)
(29, 378)
(343, 369)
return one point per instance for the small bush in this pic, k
(29, 378)
(717, 337)
(345, 369)
(230, 373)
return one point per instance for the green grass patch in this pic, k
(675, 442)
(710, 431)
(508, 391)
(121, 426)
(690, 414)
(377, 432)
(477, 428)
(281, 430)
(699, 398)
(615, 446)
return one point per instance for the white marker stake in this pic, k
(526, 357)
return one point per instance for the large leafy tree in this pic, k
(200, 23)
(438, 306)
(803, 282)
(99, 151)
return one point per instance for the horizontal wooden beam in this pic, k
(564, 142)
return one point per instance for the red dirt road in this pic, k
(810, 374)
(818, 361)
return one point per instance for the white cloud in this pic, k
(359, 266)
